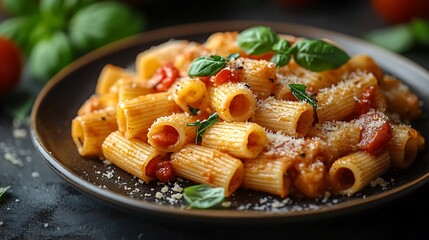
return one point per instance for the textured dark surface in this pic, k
(41, 205)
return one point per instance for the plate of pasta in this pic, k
(237, 120)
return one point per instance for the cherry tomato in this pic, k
(10, 65)
(398, 11)
(164, 77)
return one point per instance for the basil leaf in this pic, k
(318, 55)
(206, 66)
(49, 56)
(281, 59)
(420, 31)
(283, 53)
(257, 40)
(3, 191)
(233, 56)
(282, 46)
(18, 29)
(203, 196)
(193, 111)
(64, 10)
(101, 23)
(398, 38)
(298, 90)
(20, 7)
(204, 125)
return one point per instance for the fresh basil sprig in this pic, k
(208, 66)
(298, 90)
(318, 55)
(3, 191)
(282, 50)
(192, 110)
(314, 55)
(257, 40)
(203, 196)
(204, 125)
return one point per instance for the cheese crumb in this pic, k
(177, 188)
(159, 195)
(177, 196)
(108, 174)
(46, 225)
(226, 204)
(164, 189)
(35, 174)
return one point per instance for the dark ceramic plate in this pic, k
(58, 102)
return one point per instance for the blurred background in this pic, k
(38, 38)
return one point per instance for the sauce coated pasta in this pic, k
(228, 113)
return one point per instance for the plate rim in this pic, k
(120, 200)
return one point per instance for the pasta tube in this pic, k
(170, 133)
(240, 139)
(268, 175)
(191, 93)
(339, 102)
(404, 146)
(108, 76)
(208, 166)
(233, 102)
(148, 61)
(291, 117)
(89, 131)
(259, 75)
(131, 155)
(136, 115)
(355, 171)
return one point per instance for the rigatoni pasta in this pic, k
(209, 166)
(218, 114)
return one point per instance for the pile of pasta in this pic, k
(144, 120)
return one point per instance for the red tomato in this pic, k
(365, 103)
(266, 56)
(164, 77)
(161, 169)
(10, 65)
(398, 11)
(225, 75)
(376, 133)
(167, 137)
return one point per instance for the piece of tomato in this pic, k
(160, 169)
(166, 138)
(365, 103)
(266, 56)
(376, 132)
(225, 75)
(11, 64)
(398, 11)
(164, 77)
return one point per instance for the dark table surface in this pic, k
(41, 205)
